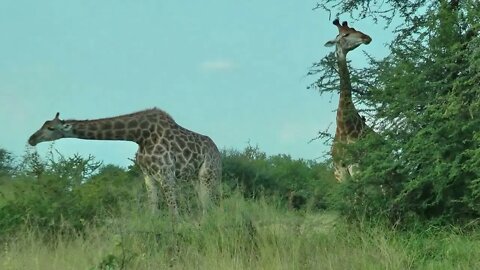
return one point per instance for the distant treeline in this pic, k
(52, 191)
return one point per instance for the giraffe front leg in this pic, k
(152, 192)
(342, 173)
(353, 169)
(168, 184)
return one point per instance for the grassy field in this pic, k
(241, 234)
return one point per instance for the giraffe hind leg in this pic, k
(166, 181)
(208, 186)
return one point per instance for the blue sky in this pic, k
(232, 70)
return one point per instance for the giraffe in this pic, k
(167, 152)
(350, 125)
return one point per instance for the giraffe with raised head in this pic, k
(350, 125)
(167, 152)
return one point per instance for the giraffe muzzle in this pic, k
(367, 40)
(32, 140)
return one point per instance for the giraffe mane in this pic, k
(134, 114)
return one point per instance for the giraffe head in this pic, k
(51, 130)
(347, 39)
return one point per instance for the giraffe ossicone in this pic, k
(167, 153)
(350, 125)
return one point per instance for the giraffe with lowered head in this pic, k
(350, 125)
(167, 152)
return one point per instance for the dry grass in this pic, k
(241, 235)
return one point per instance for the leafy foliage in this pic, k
(6, 163)
(409, 11)
(297, 181)
(62, 194)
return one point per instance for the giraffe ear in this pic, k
(330, 43)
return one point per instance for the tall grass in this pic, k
(239, 234)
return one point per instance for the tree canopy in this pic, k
(424, 99)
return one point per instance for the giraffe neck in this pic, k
(133, 127)
(105, 129)
(345, 101)
(348, 119)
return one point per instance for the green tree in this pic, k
(64, 193)
(423, 100)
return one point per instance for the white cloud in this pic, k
(217, 65)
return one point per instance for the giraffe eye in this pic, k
(50, 128)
